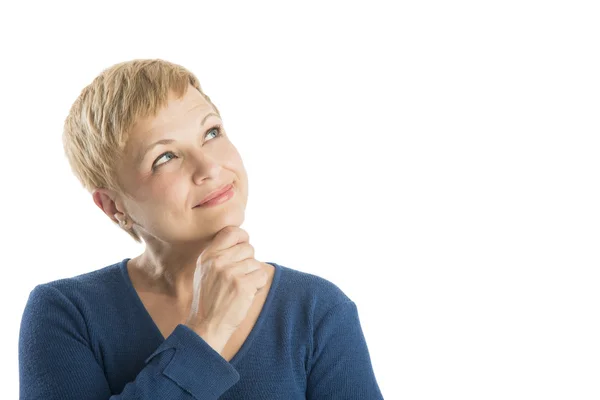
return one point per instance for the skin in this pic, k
(160, 203)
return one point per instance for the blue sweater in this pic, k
(90, 337)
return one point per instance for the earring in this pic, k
(124, 222)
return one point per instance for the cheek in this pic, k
(168, 191)
(233, 160)
(234, 154)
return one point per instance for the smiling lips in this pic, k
(215, 194)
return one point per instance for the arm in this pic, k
(56, 361)
(340, 365)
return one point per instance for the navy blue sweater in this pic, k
(90, 337)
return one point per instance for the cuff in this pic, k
(195, 366)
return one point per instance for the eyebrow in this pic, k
(141, 155)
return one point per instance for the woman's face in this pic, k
(164, 182)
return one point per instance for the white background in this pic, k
(438, 161)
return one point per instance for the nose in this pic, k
(203, 166)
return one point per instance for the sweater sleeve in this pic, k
(56, 360)
(340, 365)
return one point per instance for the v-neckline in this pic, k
(253, 332)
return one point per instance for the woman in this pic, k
(195, 316)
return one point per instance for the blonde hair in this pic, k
(96, 129)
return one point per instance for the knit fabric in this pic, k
(90, 337)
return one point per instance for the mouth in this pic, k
(216, 196)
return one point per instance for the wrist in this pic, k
(215, 338)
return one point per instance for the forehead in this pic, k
(178, 112)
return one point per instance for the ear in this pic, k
(108, 201)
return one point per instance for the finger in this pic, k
(244, 267)
(258, 278)
(228, 237)
(237, 253)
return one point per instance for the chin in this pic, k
(204, 227)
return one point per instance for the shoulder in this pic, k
(312, 294)
(77, 291)
(98, 278)
(307, 283)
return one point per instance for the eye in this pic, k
(219, 132)
(156, 165)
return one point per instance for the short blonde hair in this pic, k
(96, 129)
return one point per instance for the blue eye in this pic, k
(155, 165)
(219, 132)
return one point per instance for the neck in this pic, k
(169, 269)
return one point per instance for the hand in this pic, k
(226, 279)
